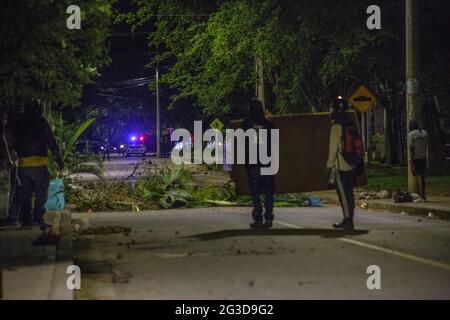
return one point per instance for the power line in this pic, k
(129, 82)
(121, 97)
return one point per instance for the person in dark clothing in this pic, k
(31, 140)
(258, 183)
(343, 172)
(106, 150)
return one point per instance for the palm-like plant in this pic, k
(168, 188)
(66, 136)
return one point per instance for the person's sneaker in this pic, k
(256, 225)
(41, 224)
(346, 224)
(267, 224)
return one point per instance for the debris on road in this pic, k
(365, 195)
(106, 230)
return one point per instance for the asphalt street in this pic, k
(120, 167)
(210, 253)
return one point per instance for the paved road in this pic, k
(211, 254)
(120, 167)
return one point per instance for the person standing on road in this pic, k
(418, 155)
(258, 183)
(32, 138)
(106, 150)
(342, 172)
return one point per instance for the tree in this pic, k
(311, 50)
(41, 59)
(307, 48)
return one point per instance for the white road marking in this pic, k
(407, 256)
(293, 226)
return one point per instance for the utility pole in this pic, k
(412, 76)
(158, 118)
(260, 94)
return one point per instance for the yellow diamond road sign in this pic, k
(362, 99)
(216, 125)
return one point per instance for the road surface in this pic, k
(120, 167)
(210, 253)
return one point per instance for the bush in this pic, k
(167, 188)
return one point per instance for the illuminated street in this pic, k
(232, 153)
(211, 254)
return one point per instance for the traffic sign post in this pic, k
(362, 99)
(216, 125)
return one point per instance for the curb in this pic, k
(409, 208)
(63, 259)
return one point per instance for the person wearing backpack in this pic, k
(345, 160)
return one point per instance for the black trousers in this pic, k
(34, 181)
(345, 182)
(258, 185)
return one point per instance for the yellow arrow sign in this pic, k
(216, 125)
(362, 99)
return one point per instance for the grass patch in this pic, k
(393, 179)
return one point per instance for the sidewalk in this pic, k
(35, 272)
(439, 207)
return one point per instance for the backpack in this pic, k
(352, 148)
(402, 196)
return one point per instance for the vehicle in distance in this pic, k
(135, 145)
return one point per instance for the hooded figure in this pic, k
(341, 172)
(259, 184)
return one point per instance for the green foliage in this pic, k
(310, 49)
(102, 196)
(211, 195)
(167, 188)
(377, 139)
(67, 135)
(40, 59)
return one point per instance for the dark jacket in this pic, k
(257, 123)
(32, 136)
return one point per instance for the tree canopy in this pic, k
(310, 49)
(41, 59)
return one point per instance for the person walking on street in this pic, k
(418, 155)
(106, 150)
(259, 184)
(32, 139)
(341, 172)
